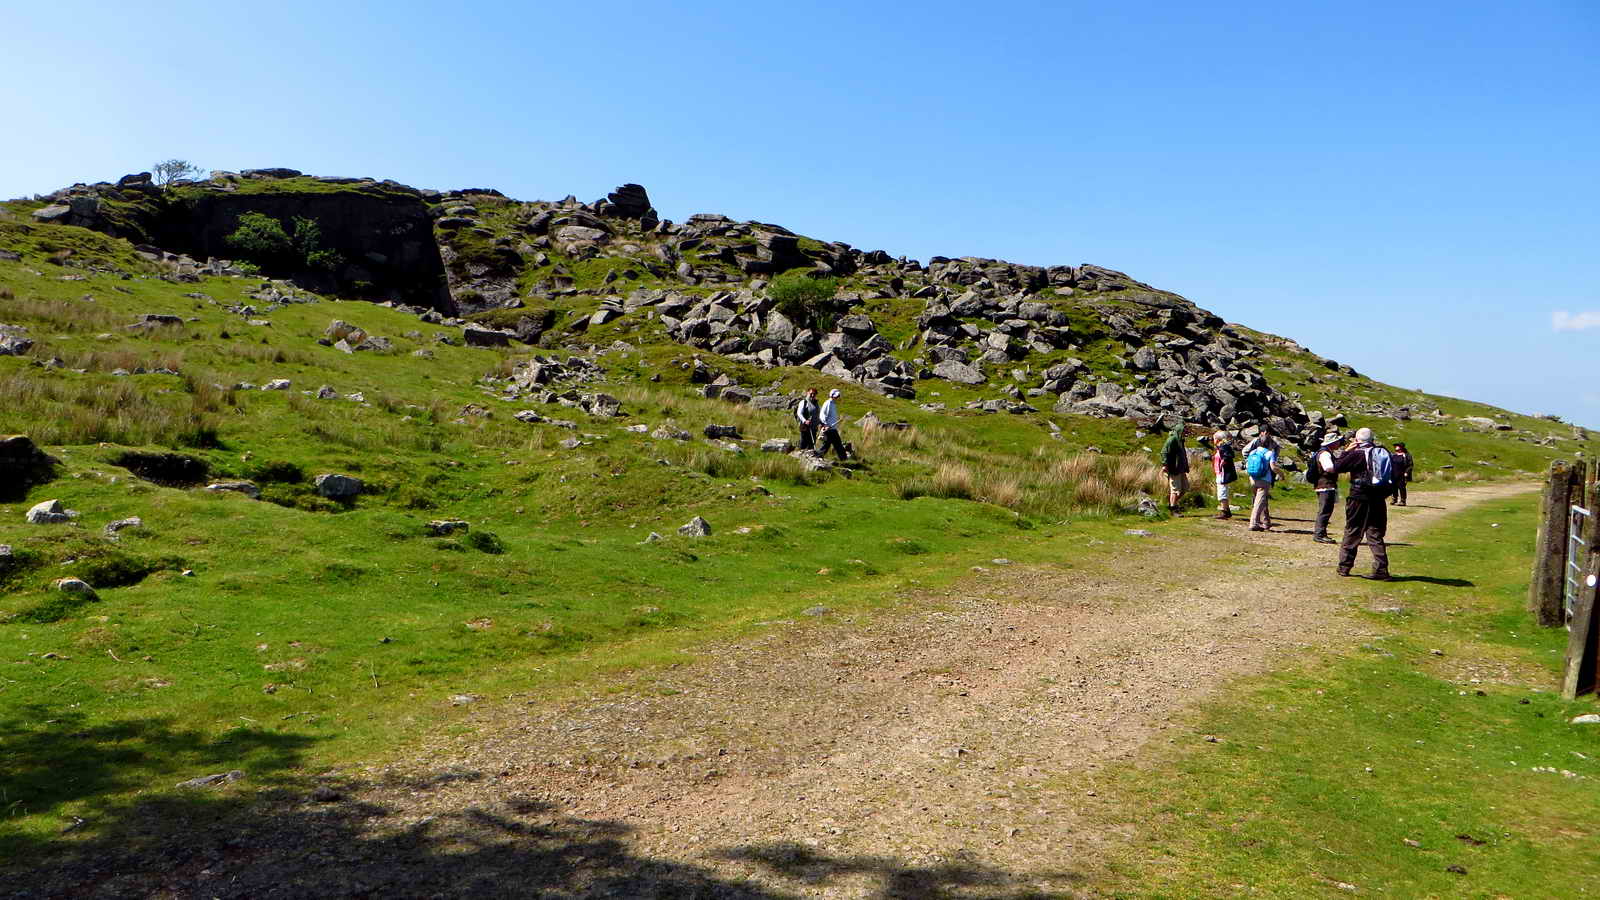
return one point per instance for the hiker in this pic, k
(1371, 469)
(1261, 464)
(1222, 467)
(1175, 465)
(1319, 471)
(805, 412)
(1403, 464)
(829, 420)
(1263, 439)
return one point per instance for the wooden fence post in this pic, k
(1579, 677)
(1550, 550)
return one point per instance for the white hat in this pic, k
(834, 392)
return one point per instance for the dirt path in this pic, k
(942, 751)
(847, 758)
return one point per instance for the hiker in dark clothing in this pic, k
(1403, 464)
(1326, 483)
(806, 414)
(1175, 464)
(1366, 517)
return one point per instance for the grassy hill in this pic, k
(297, 630)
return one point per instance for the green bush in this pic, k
(806, 301)
(263, 241)
(485, 541)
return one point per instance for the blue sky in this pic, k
(1407, 187)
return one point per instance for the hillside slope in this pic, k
(584, 380)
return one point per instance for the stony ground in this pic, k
(947, 750)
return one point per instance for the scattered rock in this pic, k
(276, 384)
(463, 699)
(326, 794)
(695, 527)
(651, 538)
(815, 611)
(248, 488)
(1137, 532)
(716, 432)
(77, 586)
(50, 512)
(212, 780)
(446, 527)
(338, 487)
(777, 445)
(112, 528)
(1587, 719)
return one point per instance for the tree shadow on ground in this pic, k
(50, 757)
(329, 838)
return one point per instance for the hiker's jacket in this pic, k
(1354, 461)
(1173, 457)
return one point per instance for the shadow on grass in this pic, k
(1429, 579)
(49, 757)
(283, 843)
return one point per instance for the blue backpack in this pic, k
(1259, 463)
(1380, 468)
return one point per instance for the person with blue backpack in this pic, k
(1261, 464)
(1366, 514)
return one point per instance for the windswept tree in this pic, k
(169, 170)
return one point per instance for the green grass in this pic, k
(1384, 765)
(314, 633)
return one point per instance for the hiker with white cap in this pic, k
(1366, 515)
(829, 420)
(1319, 471)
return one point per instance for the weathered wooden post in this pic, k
(1583, 643)
(1550, 550)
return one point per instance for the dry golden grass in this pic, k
(1005, 491)
(953, 480)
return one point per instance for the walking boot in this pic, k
(1343, 572)
(1381, 576)
(1324, 539)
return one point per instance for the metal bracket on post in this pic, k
(1577, 556)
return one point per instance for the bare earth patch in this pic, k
(940, 751)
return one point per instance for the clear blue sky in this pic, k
(1407, 187)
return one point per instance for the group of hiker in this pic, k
(1377, 477)
(820, 420)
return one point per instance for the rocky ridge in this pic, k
(1083, 339)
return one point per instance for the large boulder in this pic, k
(961, 373)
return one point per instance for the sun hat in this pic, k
(1332, 437)
(834, 392)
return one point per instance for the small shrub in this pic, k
(485, 542)
(912, 488)
(806, 301)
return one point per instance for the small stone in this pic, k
(326, 794)
(212, 780)
(247, 488)
(1001, 561)
(1586, 719)
(651, 538)
(276, 384)
(815, 611)
(443, 527)
(112, 528)
(1436, 652)
(1457, 870)
(1138, 532)
(695, 527)
(463, 699)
